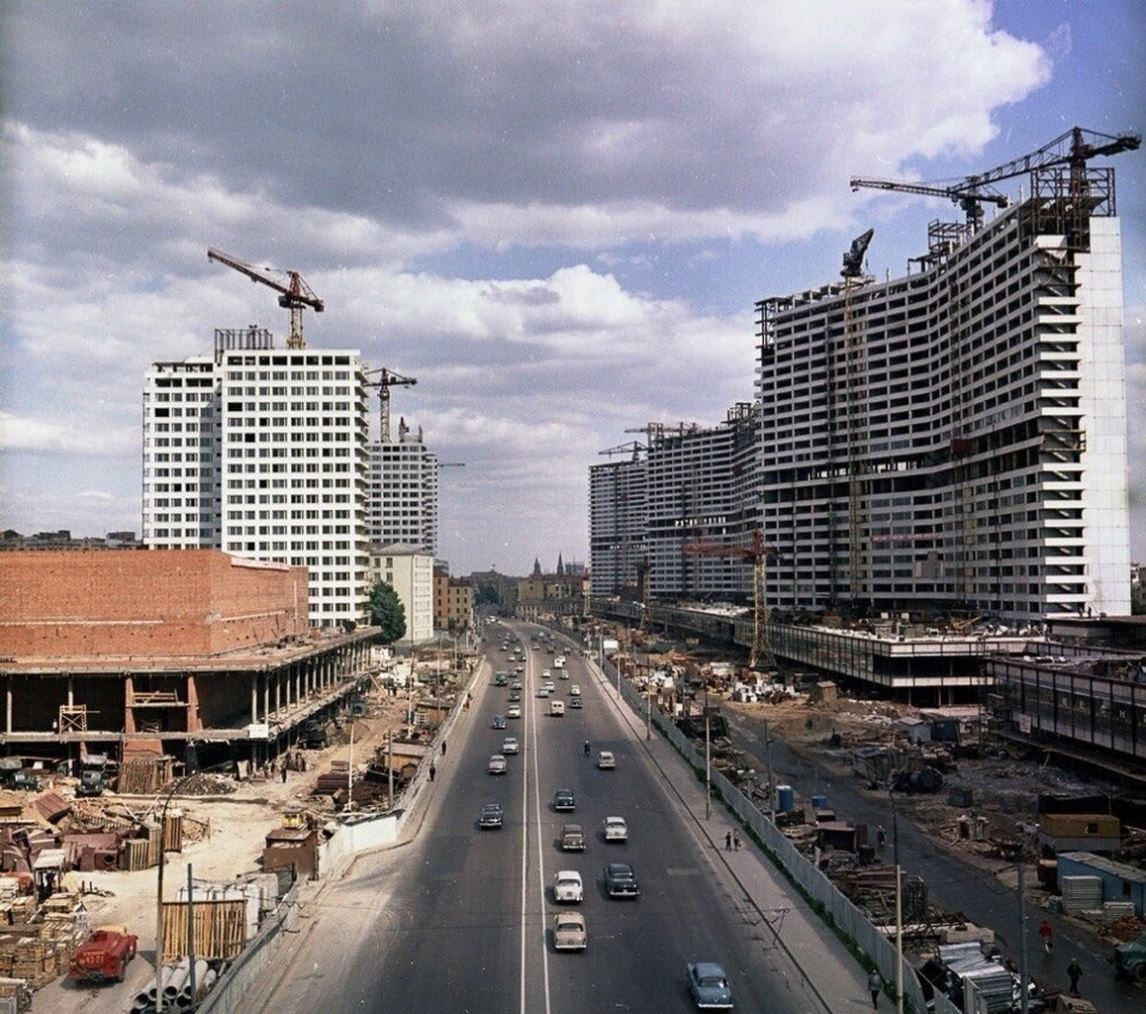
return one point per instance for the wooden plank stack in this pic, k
(220, 929)
(136, 854)
(17, 994)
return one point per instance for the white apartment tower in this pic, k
(404, 491)
(617, 524)
(263, 453)
(956, 437)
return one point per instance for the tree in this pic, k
(387, 612)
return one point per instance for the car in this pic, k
(499, 721)
(575, 691)
(513, 711)
(491, 816)
(545, 674)
(543, 691)
(509, 745)
(575, 702)
(621, 881)
(549, 685)
(709, 986)
(569, 932)
(514, 695)
(501, 679)
(557, 709)
(564, 674)
(572, 838)
(516, 685)
(564, 800)
(497, 764)
(615, 829)
(605, 760)
(567, 886)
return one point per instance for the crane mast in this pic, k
(293, 296)
(387, 378)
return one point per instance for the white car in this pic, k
(498, 764)
(549, 685)
(509, 745)
(575, 691)
(606, 761)
(543, 691)
(569, 932)
(545, 674)
(513, 711)
(615, 829)
(567, 886)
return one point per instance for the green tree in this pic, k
(387, 612)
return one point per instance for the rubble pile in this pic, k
(206, 783)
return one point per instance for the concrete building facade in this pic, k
(453, 602)
(263, 453)
(404, 491)
(618, 521)
(410, 572)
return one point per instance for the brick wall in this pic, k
(179, 602)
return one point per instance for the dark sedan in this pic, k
(492, 816)
(564, 801)
(621, 881)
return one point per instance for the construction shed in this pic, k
(1119, 881)
(1079, 832)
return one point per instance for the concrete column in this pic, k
(278, 692)
(294, 682)
(254, 698)
(8, 705)
(71, 691)
(266, 697)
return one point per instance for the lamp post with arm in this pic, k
(159, 941)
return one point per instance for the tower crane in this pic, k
(757, 552)
(450, 464)
(293, 296)
(387, 379)
(1073, 149)
(635, 446)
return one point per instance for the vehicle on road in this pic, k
(615, 829)
(572, 838)
(513, 711)
(104, 956)
(575, 690)
(499, 721)
(501, 679)
(549, 685)
(491, 816)
(709, 986)
(1130, 959)
(567, 886)
(542, 691)
(569, 932)
(497, 764)
(621, 881)
(509, 745)
(514, 696)
(557, 709)
(545, 674)
(559, 662)
(575, 702)
(564, 800)
(564, 674)
(516, 685)
(605, 760)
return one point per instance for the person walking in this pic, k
(728, 841)
(874, 987)
(1046, 934)
(1074, 973)
(736, 842)
(443, 748)
(433, 771)
(284, 771)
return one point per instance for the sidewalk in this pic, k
(830, 974)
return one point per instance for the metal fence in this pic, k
(834, 907)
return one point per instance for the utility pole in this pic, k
(1024, 967)
(898, 939)
(768, 758)
(191, 935)
(707, 759)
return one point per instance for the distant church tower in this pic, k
(560, 566)
(536, 567)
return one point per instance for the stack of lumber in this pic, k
(16, 994)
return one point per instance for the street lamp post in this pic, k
(159, 941)
(707, 759)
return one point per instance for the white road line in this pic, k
(540, 851)
(525, 719)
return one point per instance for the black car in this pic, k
(491, 816)
(564, 800)
(621, 881)
(499, 721)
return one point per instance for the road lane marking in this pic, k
(540, 848)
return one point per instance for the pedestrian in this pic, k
(1074, 973)
(1046, 933)
(875, 987)
(736, 842)
(433, 771)
(443, 748)
(728, 841)
(881, 837)
(284, 772)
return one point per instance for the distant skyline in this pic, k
(556, 217)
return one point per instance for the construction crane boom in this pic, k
(1073, 148)
(387, 379)
(451, 464)
(635, 446)
(293, 296)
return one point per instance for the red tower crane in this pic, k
(757, 552)
(293, 296)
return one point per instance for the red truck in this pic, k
(103, 957)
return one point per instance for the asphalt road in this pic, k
(459, 920)
(953, 884)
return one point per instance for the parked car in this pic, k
(1130, 959)
(499, 721)
(606, 761)
(497, 764)
(569, 932)
(621, 881)
(615, 829)
(567, 886)
(491, 816)
(564, 800)
(709, 986)
(572, 838)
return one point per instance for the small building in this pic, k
(917, 730)
(292, 848)
(1119, 881)
(1079, 832)
(410, 572)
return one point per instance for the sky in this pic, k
(557, 217)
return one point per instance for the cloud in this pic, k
(70, 436)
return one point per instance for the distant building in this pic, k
(404, 491)
(263, 453)
(63, 539)
(546, 596)
(453, 602)
(410, 572)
